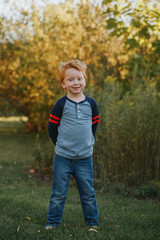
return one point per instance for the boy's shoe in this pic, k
(93, 229)
(93, 226)
(48, 227)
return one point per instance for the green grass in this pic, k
(24, 203)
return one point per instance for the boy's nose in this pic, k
(76, 81)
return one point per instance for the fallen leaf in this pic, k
(92, 229)
(31, 171)
(18, 228)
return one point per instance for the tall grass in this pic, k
(127, 148)
(127, 145)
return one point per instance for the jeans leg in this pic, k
(61, 177)
(83, 173)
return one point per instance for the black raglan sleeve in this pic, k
(95, 118)
(55, 118)
(95, 114)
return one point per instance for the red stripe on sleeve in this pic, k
(95, 117)
(56, 122)
(95, 121)
(52, 116)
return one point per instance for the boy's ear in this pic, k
(63, 85)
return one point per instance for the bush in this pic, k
(128, 139)
(151, 190)
(43, 154)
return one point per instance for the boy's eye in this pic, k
(70, 79)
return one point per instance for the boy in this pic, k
(72, 126)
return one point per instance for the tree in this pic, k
(139, 28)
(34, 45)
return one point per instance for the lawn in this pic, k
(24, 203)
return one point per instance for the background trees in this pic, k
(120, 44)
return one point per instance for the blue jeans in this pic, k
(82, 170)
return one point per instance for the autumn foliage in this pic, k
(33, 45)
(119, 42)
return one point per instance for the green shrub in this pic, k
(151, 190)
(128, 139)
(43, 153)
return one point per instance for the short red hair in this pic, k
(77, 64)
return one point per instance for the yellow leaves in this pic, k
(112, 60)
(15, 75)
(29, 68)
(35, 95)
(110, 79)
(156, 183)
(50, 93)
(123, 58)
(120, 102)
(142, 41)
(13, 80)
(3, 68)
(141, 2)
(131, 104)
(124, 73)
(14, 119)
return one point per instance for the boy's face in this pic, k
(74, 81)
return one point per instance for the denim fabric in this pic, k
(82, 170)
